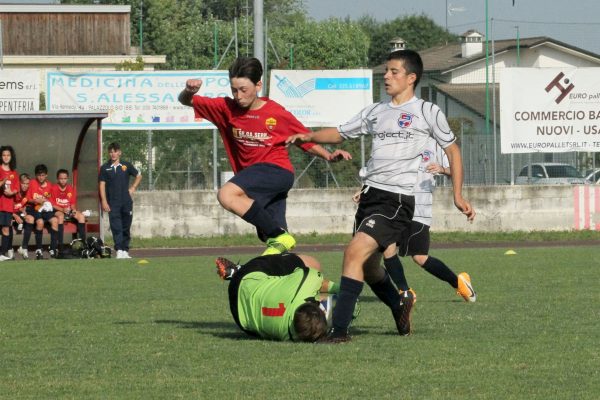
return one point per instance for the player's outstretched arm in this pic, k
(325, 154)
(327, 135)
(192, 86)
(455, 160)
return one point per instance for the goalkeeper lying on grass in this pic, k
(277, 296)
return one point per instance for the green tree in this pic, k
(329, 44)
(419, 31)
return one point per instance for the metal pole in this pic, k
(446, 12)
(215, 160)
(150, 166)
(494, 104)
(487, 78)
(259, 36)
(235, 33)
(265, 67)
(215, 137)
(512, 155)
(1, 50)
(216, 50)
(141, 28)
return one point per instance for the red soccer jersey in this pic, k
(18, 204)
(251, 136)
(63, 198)
(12, 183)
(35, 191)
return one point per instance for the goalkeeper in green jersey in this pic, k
(277, 296)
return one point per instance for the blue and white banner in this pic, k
(144, 100)
(19, 90)
(322, 98)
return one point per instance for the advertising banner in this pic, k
(144, 100)
(322, 98)
(19, 90)
(550, 110)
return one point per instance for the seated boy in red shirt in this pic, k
(64, 200)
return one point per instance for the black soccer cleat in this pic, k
(39, 255)
(403, 313)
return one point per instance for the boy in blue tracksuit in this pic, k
(115, 195)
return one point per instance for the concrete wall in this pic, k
(499, 208)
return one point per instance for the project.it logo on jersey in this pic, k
(405, 120)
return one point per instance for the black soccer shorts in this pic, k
(385, 216)
(416, 243)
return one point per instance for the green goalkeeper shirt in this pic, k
(266, 304)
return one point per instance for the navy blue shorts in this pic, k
(45, 215)
(5, 218)
(268, 185)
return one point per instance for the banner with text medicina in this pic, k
(550, 110)
(145, 100)
(19, 90)
(322, 98)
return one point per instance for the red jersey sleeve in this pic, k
(213, 109)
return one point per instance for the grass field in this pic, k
(116, 329)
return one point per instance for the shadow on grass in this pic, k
(205, 326)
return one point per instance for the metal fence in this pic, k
(185, 160)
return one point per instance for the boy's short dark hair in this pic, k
(412, 62)
(114, 146)
(41, 169)
(309, 322)
(24, 176)
(246, 67)
(62, 171)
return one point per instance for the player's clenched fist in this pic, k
(193, 85)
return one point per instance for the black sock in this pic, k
(344, 308)
(53, 239)
(10, 238)
(61, 236)
(396, 270)
(81, 230)
(261, 219)
(5, 244)
(441, 271)
(27, 228)
(386, 292)
(38, 239)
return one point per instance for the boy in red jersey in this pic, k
(8, 189)
(39, 207)
(20, 201)
(254, 130)
(64, 199)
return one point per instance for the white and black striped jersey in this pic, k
(425, 186)
(400, 134)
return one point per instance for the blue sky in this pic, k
(578, 26)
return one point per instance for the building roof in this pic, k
(472, 96)
(447, 57)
